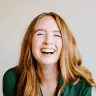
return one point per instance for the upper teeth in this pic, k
(47, 50)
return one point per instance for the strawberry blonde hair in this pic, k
(70, 63)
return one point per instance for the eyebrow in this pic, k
(46, 30)
(40, 30)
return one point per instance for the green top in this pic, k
(80, 89)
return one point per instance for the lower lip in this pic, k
(48, 55)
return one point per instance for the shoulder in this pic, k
(82, 88)
(10, 74)
(9, 80)
(82, 84)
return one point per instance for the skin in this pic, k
(47, 37)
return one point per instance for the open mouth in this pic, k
(48, 51)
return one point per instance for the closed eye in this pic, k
(40, 34)
(57, 35)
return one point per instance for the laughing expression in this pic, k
(47, 41)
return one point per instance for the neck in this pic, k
(49, 84)
(50, 72)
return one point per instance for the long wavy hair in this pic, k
(70, 63)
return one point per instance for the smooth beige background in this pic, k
(15, 16)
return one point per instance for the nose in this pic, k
(48, 40)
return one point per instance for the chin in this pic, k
(48, 62)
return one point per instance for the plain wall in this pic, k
(15, 16)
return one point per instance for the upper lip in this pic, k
(48, 48)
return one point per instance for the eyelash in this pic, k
(39, 34)
(57, 35)
(43, 34)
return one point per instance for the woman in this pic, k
(49, 64)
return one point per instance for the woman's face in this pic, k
(47, 41)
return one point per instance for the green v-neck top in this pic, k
(10, 80)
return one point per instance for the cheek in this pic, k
(39, 40)
(59, 44)
(34, 47)
(36, 42)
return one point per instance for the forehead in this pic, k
(46, 22)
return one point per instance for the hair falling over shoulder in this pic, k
(30, 75)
